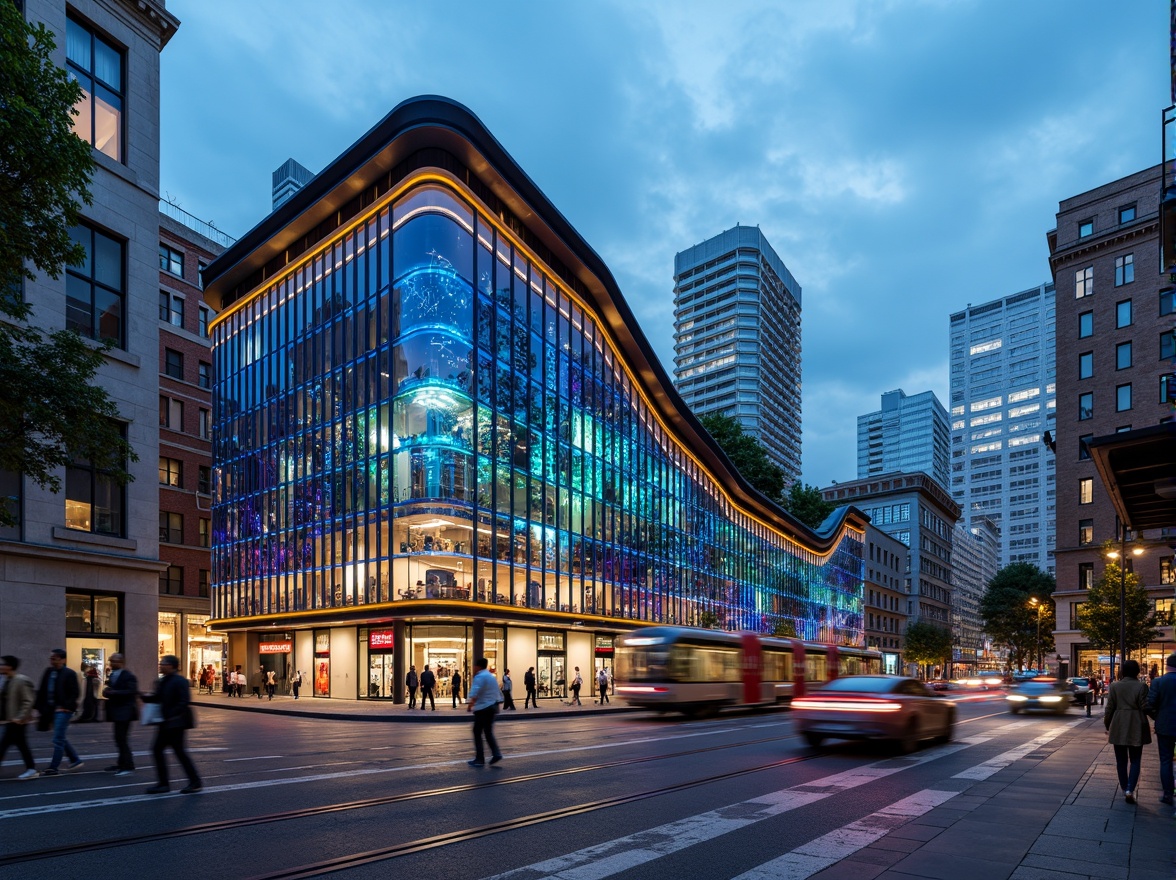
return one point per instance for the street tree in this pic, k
(1011, 619)
(806, 504)
(1098, 616)
(51, 413)
(746, 453)
(784, 628)
(926, 644)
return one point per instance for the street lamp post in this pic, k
(1121, 556)
(1037, 604)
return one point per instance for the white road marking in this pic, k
(614, 856)
(606, 859)
(253, 758)
(831, 848)
(140, 754)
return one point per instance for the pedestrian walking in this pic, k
(428, 682)
(122, 708)
(577, 683)
(455, 687)
(174, 699)
(411, 682)
(1161, 705)
(271, 683)
(532, 699)
(17, 698)
(296, 683)
(257, 681)
(1127, 725)
(57, 700)
(483, 702)
(240, 682)
(602, 685)
(507, 692)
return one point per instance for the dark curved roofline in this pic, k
(432, 120)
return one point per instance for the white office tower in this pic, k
(737, 339)
(908, 434)
(1002, 406)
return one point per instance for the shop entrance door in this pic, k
(380, 681)
(276, 663)
(551, 677)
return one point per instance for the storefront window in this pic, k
(93, 631)
(204, 649)
(376, 653)
(443, 649)
(551, 673)
(169, 633)
(322, 663)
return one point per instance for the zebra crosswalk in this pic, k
(607, 859)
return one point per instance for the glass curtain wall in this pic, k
(421, 411)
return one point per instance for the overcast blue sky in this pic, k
(905, 159)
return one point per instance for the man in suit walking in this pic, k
(57, 700)
(1161, 705)
(122, 695)
(428, 682)
(411, 683)
(172, 693)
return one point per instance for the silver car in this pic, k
(880, 707)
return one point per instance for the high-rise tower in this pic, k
(908, 434)
(1002, 404)
(737, 339)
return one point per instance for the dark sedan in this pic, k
(1039, 696)
(880, 707)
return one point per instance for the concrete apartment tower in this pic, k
(737, 339)
(907, 434)
(1002, 406)
(1115, 349)
(81, 569)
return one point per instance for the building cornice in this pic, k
(154, 14)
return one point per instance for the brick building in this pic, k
(186, 245)
(1114, 346)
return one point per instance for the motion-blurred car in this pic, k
(1081, 690)
(878, 707)
(1039, 695)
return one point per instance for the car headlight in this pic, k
(1051, 699)
(1016, 698)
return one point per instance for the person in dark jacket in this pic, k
(529, 683)
(428, 682)
(172, 695)
(89, 696)
(455, 686)
(122, 708)
(412, 683)
(1127, 727)
(57, 700)
(1161, 705)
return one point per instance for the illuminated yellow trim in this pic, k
(484, 214)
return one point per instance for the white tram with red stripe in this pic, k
(691, 670)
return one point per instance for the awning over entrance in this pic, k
(1138, 469)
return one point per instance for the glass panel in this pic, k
(78, 308)
(83, 120)
(81, 235)
(108, 514)
(108, 123)
(108, 307)
(77, 44)
(78, 498)
(108, 64)
(77, 613)
(108, 260)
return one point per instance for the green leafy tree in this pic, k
(50, 412)
(708, 620)
(785, 629)
(1011, 619)
(925, 643)
(806, 504)
(746, 454)
(1098, 616)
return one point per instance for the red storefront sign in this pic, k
(274, 648)
(380, 638)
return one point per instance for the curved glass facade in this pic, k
(421, 410)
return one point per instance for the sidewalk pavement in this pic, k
(383, 710)
(1061, 817)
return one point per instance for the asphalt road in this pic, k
(590, 797)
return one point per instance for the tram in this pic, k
(687, 670)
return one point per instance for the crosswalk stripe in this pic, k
(607, 859)
(831, 848)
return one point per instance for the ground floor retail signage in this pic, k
(274, 648)
(380, 639)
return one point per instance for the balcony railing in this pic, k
(196, 224)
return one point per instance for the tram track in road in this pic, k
(368, 803)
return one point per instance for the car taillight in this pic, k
(827, 704)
